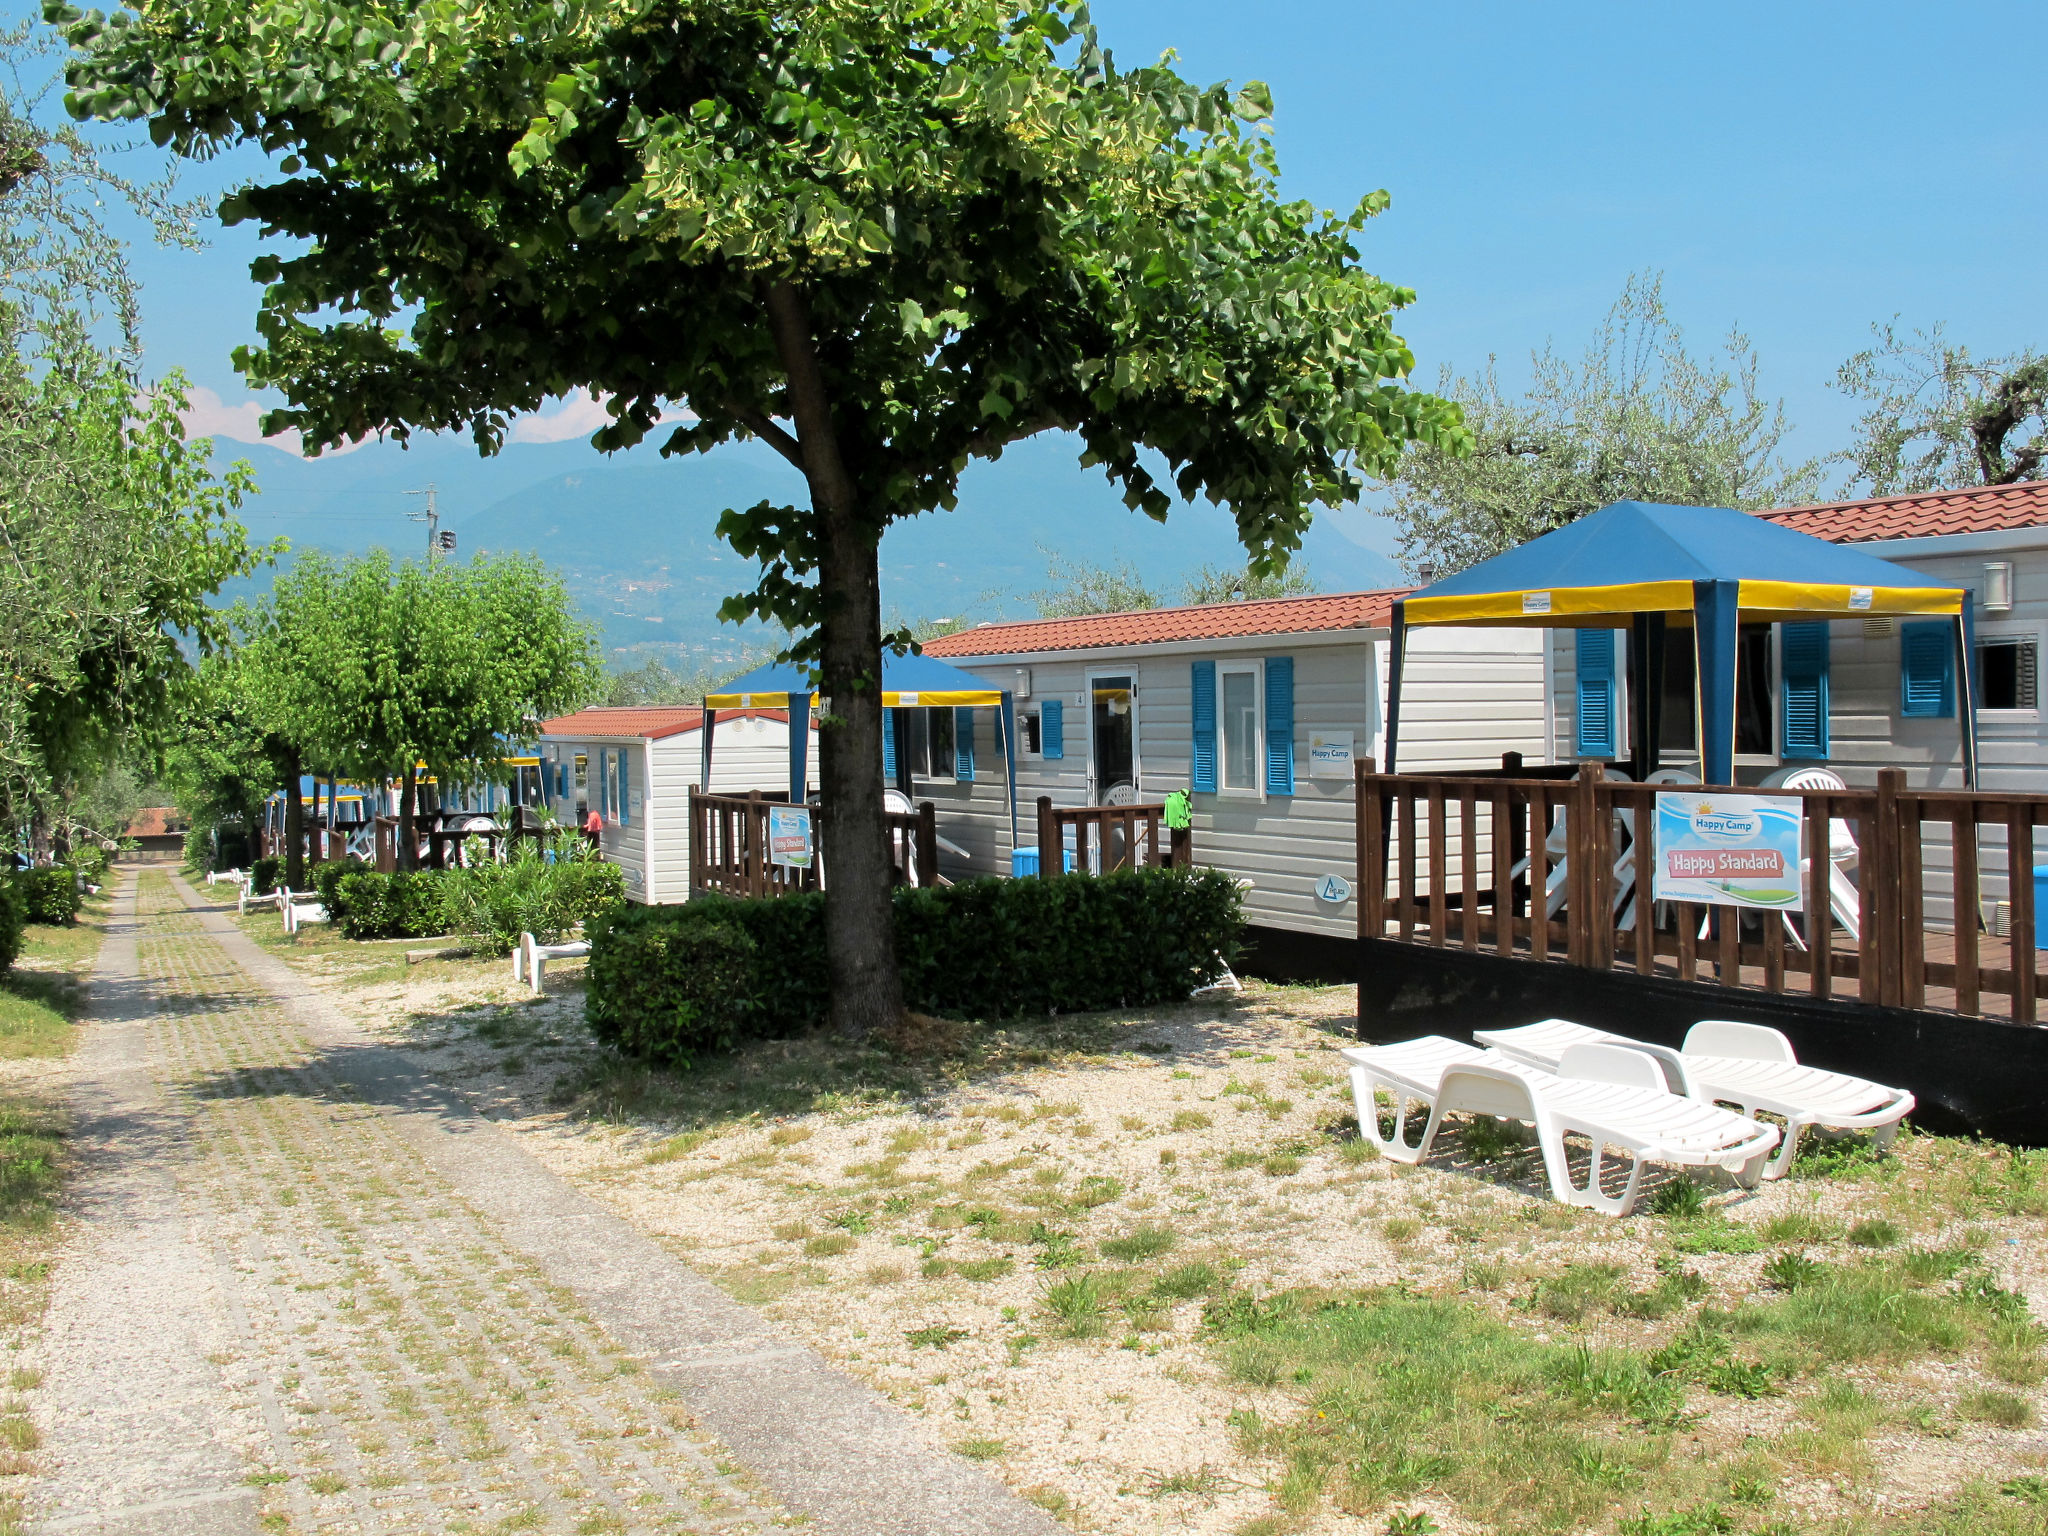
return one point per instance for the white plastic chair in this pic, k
(1724, 1061)
(1608, 1093)
(1844, 901)
(530, 958)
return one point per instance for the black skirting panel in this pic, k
(1279, 954)
(1970, 1075)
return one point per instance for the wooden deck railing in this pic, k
(729, 846)
(1122, 834)
(1441, 861)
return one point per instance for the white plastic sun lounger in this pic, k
(300, 909)
(1611, 1095)
(1747, 1065)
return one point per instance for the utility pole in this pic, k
(431, 517)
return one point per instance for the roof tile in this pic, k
(1972, 509)
(651, 722)
(1156, 626)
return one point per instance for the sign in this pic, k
(789, 836)
(1728, 850)
(1535, 602)
(1334, 889)
(1329, 754)
(1859, 599)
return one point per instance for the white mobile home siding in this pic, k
(1469, 696)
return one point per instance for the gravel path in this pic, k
(315, 1293)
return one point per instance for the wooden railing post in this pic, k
(2019, 864)
(700, 831)
(1882, 940)
(1048, 839)
(927, 843)
(1582, 850)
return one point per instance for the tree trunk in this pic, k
(860, 935)
(294, 826)
(408, 799)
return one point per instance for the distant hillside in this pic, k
(634, 534)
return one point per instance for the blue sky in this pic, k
(1799, 170)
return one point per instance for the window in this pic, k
(1755, 693)
(928, 741)
(582, 786)
(2008, 671)
(1240, 759)
(1027, 734)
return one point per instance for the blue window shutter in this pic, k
(1927, 670)
(1202, 767)
(1595, 661)
(625, 786)
(1803, 682)
(1052, 736)
(1279, 725)
(963, 746)
(889, 745)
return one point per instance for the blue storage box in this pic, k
(1024, 861)
(2040, 900)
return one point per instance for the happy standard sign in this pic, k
(1728, 850)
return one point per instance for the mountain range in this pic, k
(634, 535)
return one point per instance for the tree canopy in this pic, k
(1940, 418)
(1638, 417)
(116, 530)
(883, 236)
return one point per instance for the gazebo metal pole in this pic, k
(1397, 653)
(704, 768)
(1008, 715)
(1966, 690)
(799, 746)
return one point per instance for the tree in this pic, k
(882, 236)
(1637, 418)
(1080, 588)
(1221, 584)
(222, 763)
(373, 671)
(1939, 418)
(115, 529)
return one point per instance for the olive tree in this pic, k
(881, 236)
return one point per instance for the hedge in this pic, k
(13, 914)
(263, 875)
(410, 904)
(662, 980)
(491, 902)
(48, 895)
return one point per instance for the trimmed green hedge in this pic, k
(49, 895)
(411, 904)
(13, 914)
(263, 876)
(662, 979)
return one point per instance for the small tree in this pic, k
(375, 670)
(1940, 418)
(882, 236)
(1638, 418)
(1245, 584)
(1080, 588)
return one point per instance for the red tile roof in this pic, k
(1973, 509)
(1154, 626)
(155, 821)
(650, 722)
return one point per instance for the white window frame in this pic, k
(1256, 790)
(2011, 629)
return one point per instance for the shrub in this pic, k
(670, 990)
(410, 904)
(981, 949)
(263, 875)
(13, 914)
(48, 896)
(529, 894)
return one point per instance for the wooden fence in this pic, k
(1543, 869)
(729, 846)
(1121, 832)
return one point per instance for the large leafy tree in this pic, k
(222, 762)
(1637, 418)
(369, 669)
(883, 236)
(114, 530)
(1940, 418)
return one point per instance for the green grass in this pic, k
(42, 995)
(31, 1155)
(1146, 1241)
(1894, 1308)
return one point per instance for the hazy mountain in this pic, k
(634, 535)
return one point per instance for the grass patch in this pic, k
(2005, 1410)
(980, 1450)
(1146, 1241)
(1894, 1308)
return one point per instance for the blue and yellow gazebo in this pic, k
(1642, 566)
(911, 681)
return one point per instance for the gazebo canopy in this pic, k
(1641, 565)
(909, 681)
